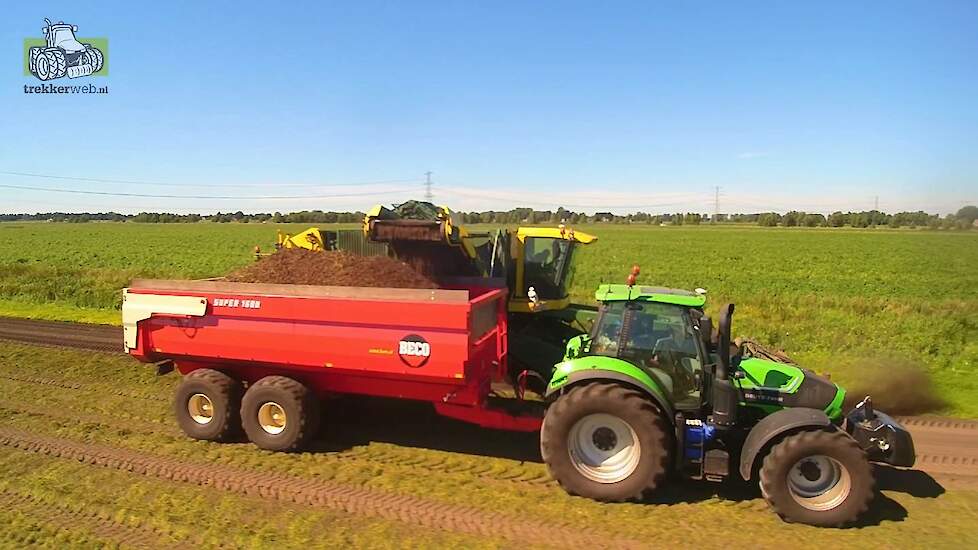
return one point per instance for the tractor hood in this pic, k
(769, 384)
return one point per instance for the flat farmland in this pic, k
(92, 457)
(859, 304)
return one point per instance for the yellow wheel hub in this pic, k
(271, 418)
(201, 408)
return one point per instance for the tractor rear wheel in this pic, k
(95, 58)
(820, 478)
(279, 413)
(57, 64)
(206, 405)
(606, 442)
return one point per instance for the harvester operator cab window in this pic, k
(656, 337)
(546, 261)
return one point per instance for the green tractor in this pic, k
(653, 391)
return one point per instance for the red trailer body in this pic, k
(441, 346)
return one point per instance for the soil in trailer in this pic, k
(333, 268)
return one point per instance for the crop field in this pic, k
(859, 304)
(91, 456)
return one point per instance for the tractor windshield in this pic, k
(61, 35)
(656, 337)
(546, 266)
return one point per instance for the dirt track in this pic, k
(60, 334)
(946, 448)
(347, 498)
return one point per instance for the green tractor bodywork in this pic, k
(767, 386)
(722, 409)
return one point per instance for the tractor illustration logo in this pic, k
(63, 54)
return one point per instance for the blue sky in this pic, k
(589, 105)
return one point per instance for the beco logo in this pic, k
(62, 54)
(414, 351)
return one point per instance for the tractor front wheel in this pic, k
(820, 478)
(606, 442)
(94, 57)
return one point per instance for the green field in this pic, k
(839, 300)
(92, 457)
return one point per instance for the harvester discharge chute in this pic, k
(427, 238)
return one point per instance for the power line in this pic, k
(233, 185)
(214, 197)
(564, 203)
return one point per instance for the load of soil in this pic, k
(296, 266)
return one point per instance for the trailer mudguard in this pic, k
(597, 367)
(774, 425)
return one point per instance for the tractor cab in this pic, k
(62, 35)
(655, 330)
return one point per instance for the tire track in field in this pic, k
(353, 500)
(40, 381)
(66, 519)
(408, 459)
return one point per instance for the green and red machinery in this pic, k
(646, 391)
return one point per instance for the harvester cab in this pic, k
(651, 389)
(433, 240)
(63, 54)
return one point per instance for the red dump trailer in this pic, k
(273, 352)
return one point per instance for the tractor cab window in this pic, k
(656, 337)
(63, 34)
(546, 263)
(607, 330)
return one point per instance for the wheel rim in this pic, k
(819, 482)
(604, 448)
(201, 408)
(41, 65)
(271, 418)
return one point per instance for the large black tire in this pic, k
(206, 405)
(585, 424)
(95, 57)
(41, 67)
(797, 479)
(279, 414)
(57, 63)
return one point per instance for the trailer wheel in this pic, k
(206, 405)
(817, 477)
(279, 413)
(606, 442)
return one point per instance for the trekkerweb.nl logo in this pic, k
(61, 54)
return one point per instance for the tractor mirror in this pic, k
(706, 332)
(74, 28)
